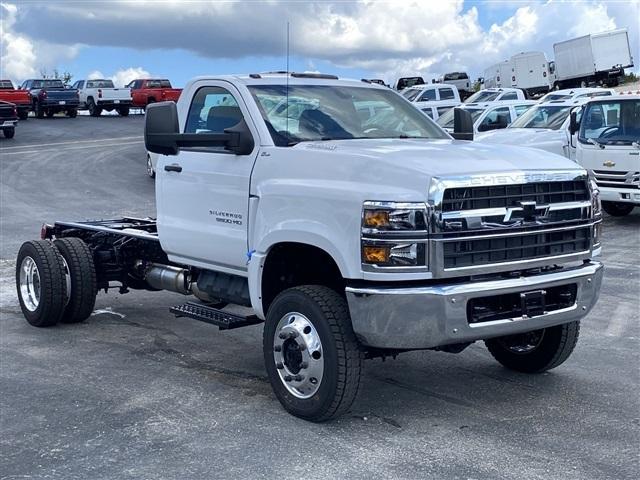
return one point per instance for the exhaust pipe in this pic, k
(166, 277)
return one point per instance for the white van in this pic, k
(498, 75)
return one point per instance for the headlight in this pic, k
(394, 234)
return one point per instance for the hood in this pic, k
(443, 157)
(519, 136)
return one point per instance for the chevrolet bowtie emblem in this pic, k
(609, 163)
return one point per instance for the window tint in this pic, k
(446, 94)
(442, 110)
(36, 84)
(212, 110)
(427, 95)
(429, 112)
(99, 84)
(520, 109)
(495, 119)
(510, 96)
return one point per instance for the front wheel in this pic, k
(537, 351)
(617, 209)
(311, 354)
(9, 132)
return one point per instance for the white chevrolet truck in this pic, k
(351, 232)
(605, 139)
(100, 94)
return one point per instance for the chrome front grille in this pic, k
(617, 179)
(493, 223)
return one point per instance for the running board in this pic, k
(224, 320)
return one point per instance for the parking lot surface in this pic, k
(135, 393)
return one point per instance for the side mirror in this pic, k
(462, 125)
(574, 124)
(162, 133)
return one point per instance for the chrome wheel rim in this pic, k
(298, 355)
(149, 166)
(30, 284)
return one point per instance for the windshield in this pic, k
(99, 84)
(555, 96)
(482, 96)
(543, 116)
(324, 112)
(611, 123)
(446, 119)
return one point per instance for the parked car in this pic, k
(149, 90)
(488, 116)
(574, 93)
(99, 94)
(592, 59)
(496, 95)
(348, 239)
(460, 80)
(8, 118)
(406, 82)
(433, 99)
(20, 98)
(544, 126)
(605, 139)
(50, 96)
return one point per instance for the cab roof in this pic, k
(293, 78)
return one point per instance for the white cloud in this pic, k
(123, 77)
(94, 75)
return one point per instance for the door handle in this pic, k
(173, 168)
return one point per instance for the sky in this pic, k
(179, 39)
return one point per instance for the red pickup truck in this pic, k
(20, 98)
(148, 90)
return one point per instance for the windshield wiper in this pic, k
(595, 142)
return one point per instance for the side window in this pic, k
(212, 110)
(36, 84)
(428, 112)
(427, 95)
(510, 96)
(520, 109)
(443, 110)
(495, 119)
(446, 94)
(25, 85)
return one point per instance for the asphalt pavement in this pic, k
(133, 393)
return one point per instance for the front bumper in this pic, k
(622, 195)
(436, 315)
(8, 123)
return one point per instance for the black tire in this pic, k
(9, 132)
(73, 113)
(84, 287)
(23, 114)
(51, 283)
(123, 111)
(94, 110)
(327, 311)
(50, 113)
(617, 209)
(551, 348)
(38, 110)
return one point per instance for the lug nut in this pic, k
(287, 378)
(279, 365)
(277, 348)
(298, 378)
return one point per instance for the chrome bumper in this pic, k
(436, 315)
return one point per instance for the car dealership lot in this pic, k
(136, 393)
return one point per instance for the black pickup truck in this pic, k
(8, 118)
(50, 96)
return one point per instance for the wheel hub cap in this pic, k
(30, 284)
(298, 355)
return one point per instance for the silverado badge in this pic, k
(609, 163)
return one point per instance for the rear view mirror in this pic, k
(574, 124)
(162, 133)
(462, 124)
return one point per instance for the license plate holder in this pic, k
(116, 101)
(62, 102)
(533, 303)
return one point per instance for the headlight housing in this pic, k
(394, 234)
(596, 212)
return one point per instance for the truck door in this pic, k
(203, 193)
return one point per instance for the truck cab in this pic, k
(605, 139)
(98, 94)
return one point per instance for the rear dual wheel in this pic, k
(56, 282)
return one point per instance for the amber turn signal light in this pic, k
(373, 254)
(376, 218)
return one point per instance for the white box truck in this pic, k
(593, 59)
(530, 72)
(498, 75)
